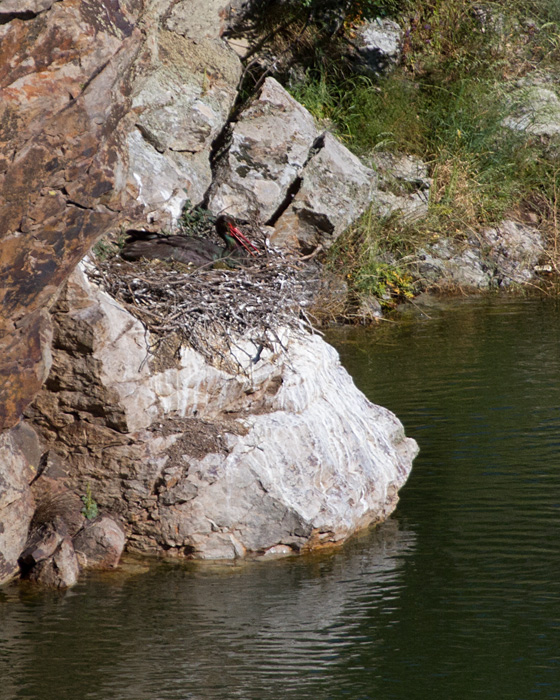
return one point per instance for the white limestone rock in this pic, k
(180, 107)
(285, 455)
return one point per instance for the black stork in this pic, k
(187, 249)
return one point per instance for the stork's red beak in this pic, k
(242, 239)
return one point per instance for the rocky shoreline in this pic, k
(264, 448)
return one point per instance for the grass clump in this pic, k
(446, 102)
(360, 253)
(90, 509)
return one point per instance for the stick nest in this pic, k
(211, 310)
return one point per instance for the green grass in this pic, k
(445, 103)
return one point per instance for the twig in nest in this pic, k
(210, 310)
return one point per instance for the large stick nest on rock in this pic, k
(214, 311)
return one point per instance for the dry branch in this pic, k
(210, 309)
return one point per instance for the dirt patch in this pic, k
(199, 437)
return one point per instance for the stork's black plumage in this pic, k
(187, 249)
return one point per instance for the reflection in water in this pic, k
(457, 596)
(265, 629)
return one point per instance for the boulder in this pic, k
(335, 190)
(498, 257)
(515, 250)
(450, 264)
(534, 109)
(56, 565)
(403, 185)
(202, 460)
(270, 144)
(100, 543)
(19, 459)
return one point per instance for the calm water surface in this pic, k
(456, 597)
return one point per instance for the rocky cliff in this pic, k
(109, 116)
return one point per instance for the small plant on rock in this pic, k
(90, 509)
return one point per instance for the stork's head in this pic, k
(230, 233)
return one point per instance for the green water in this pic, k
(456, 597)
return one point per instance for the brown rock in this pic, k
(19, 451)
(60, 570)
(89, 104)
(100, 543)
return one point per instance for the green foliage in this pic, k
(196, 220)
(386, 281)
(446, 104)
(90, 509)
(354, 8)
(360, 253)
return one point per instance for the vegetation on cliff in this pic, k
(459, 74)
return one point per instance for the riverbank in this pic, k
(455, 105)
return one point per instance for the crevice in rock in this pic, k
(91, 78)
(247, 90)
(295, 187)
(24, 16)
(72, 202)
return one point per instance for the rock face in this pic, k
(270, 144)
(280, 169)
(335, 190)
(19, 458)
(109, 114)
(89, 110)
(502, 256)
(201, 462)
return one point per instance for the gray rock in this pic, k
(335, 190)
(370, 309)
(451, 264)
(515, 249)
(100, 543)
(270, 144)
(534, 110)
(309, 460)
(181, 105)
(403, 185)
(377, 46)
(198, 19)
(499, 257)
